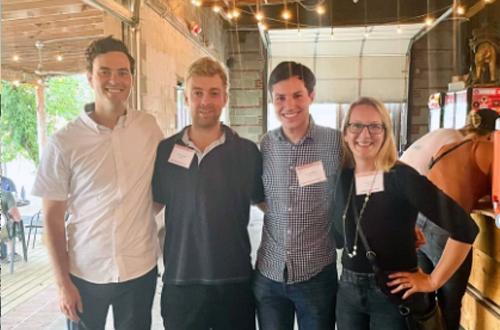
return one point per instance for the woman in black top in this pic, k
(380, 197)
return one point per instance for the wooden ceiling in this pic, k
(61, 27)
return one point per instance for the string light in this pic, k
(229, 15)
(428, 21)
(236, 13)
(286, 15)
(15, 58)
(16, 83)
(460, 10)
(263, 26)
(39, 81)
(332, 34)
(367, 33)
(320, 10)
(399, 30)
(59, 57)
(216, 8)
(259, 16)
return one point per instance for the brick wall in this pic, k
(246, 79)
(432, 66)
(165, 55)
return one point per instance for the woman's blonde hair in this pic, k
(208, 67)
(387, 155)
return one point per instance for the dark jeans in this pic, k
(449, 295)
(203, 307)
(313, 301)
(361, 305)
(131, 302)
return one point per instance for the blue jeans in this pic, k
(449, 295)
(313, 301)
(361, 305)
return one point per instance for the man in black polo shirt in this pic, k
(207, 177)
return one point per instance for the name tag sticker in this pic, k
(181, 156)
(311, 173)
(365, 182)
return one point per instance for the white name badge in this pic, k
(366, 181)
(311, 173)
(181, 156)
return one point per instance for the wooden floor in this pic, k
(29, 278)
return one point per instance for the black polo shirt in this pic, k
(207, 211)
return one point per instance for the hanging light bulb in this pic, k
(428, 21)
(59, 57)
(229, 15)
(39, 81)
(263, 26)
(216, 8)
(15, 58)
(460, 10)
(236, 13)
(367, 33)
(332, 34)
(259, 16)
(320, 10)
(16, 83)
(399, 30)
(286, 15)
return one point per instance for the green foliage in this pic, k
(19, 123)
(64, 100)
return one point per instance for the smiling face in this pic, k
(291, 102)
(111, 79)
(206, 97)
(364, 146)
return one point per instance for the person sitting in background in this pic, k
(10, 213)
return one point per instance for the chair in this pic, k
(36, 223)
(17, 232)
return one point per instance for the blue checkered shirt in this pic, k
(297, 223)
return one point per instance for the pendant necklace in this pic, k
(354, 251)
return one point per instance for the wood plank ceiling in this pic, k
(60, 27)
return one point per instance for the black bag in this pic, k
(433, 320)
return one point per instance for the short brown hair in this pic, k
(208, 67)
(387, 155)
(106, 45)
(286, 70)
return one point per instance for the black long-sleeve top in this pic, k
(389, 219)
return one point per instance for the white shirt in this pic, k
(420, 153)
(105, 177)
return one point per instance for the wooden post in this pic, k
(41, 118)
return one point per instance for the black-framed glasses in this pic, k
(357, 128)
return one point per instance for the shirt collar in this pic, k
(123, 121)
(183, 136)
(310, 134)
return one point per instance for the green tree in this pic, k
(19, 123)
(64, 100)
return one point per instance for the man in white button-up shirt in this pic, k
(99, 169)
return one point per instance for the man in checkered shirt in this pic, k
(296, 271)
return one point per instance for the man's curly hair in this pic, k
(106, 45)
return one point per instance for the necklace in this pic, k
(358, 222)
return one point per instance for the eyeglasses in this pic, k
(357, 128)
